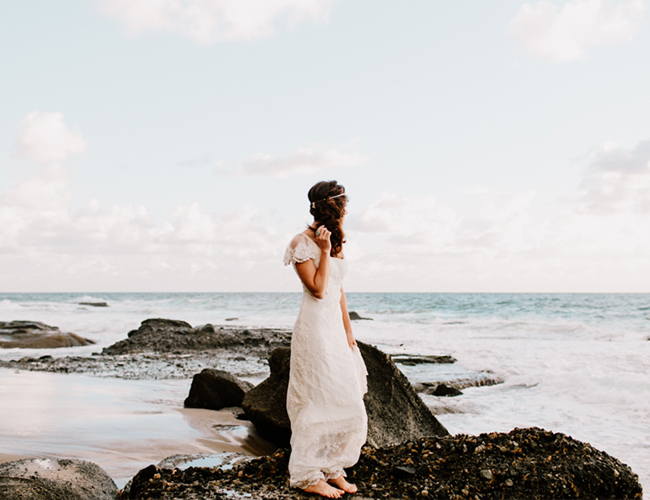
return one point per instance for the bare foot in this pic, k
(324, 489)
(343, 484)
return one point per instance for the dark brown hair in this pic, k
(329, 211)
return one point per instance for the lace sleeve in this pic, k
(302, 252)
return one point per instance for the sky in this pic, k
(485, 146)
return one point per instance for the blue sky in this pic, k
(168, 146)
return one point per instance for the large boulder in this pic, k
(266, 404)
(216, 389)
(54, 479)
(396, 413)
(37, 335)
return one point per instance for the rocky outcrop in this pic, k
(37, 335)
(266, 404)
(168, 335)
(52, 479)
(443, 390)
(216, 389)
(355, 316)
(409, 360)
(525, 463)
(395, 412)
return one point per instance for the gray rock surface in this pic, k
(37, 335)
(396, 413)
(409, 360)
(216, 389)
(55, 479)
(169, 335)
(266, 404)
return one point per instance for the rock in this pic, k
(444, 390)
(94, 304)
(395, 412)
(55, 479)
(37, 335)
(408, 360)
(266, 404)
(355, 316)
(487, 475)
(171, 336)
(517, 470)
(216, 389)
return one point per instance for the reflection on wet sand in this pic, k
(122, 425)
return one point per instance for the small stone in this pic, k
(487, 474)
(509, 483)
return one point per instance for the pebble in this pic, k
(487, 474)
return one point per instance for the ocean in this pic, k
(572, 363)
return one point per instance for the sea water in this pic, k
(572, 363)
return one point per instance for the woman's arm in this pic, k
(317, 278)
(346, 320)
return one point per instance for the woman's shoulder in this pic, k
(301, 238)
(300, 249)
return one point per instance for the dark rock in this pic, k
(232, 319)
(557, 467)
(403, 472)
(266, 404)
(47, 357)
(94, 304)
(395, 412)
(174, 336)
(444, 390)
(408, 360)
(52, 479)
(355, 316)
(216, 389)
(484, 379)
(37, 335)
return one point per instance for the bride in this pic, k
(327, 380)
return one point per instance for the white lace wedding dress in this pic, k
(327, 380)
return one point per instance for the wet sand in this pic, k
(121, 425)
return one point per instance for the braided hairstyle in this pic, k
(329, 211)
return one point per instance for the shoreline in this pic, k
(121, 425)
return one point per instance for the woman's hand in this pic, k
(351, 341)
(322, 236)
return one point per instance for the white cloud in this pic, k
(45, 191)
(409, 221)
(214, 20)
(618, 180)
(565, 34)
(45, 138)
(43, 238)
(309, 160)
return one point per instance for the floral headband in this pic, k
(313, 203)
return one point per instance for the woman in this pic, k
(327, 380)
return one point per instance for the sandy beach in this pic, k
(122, 425)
